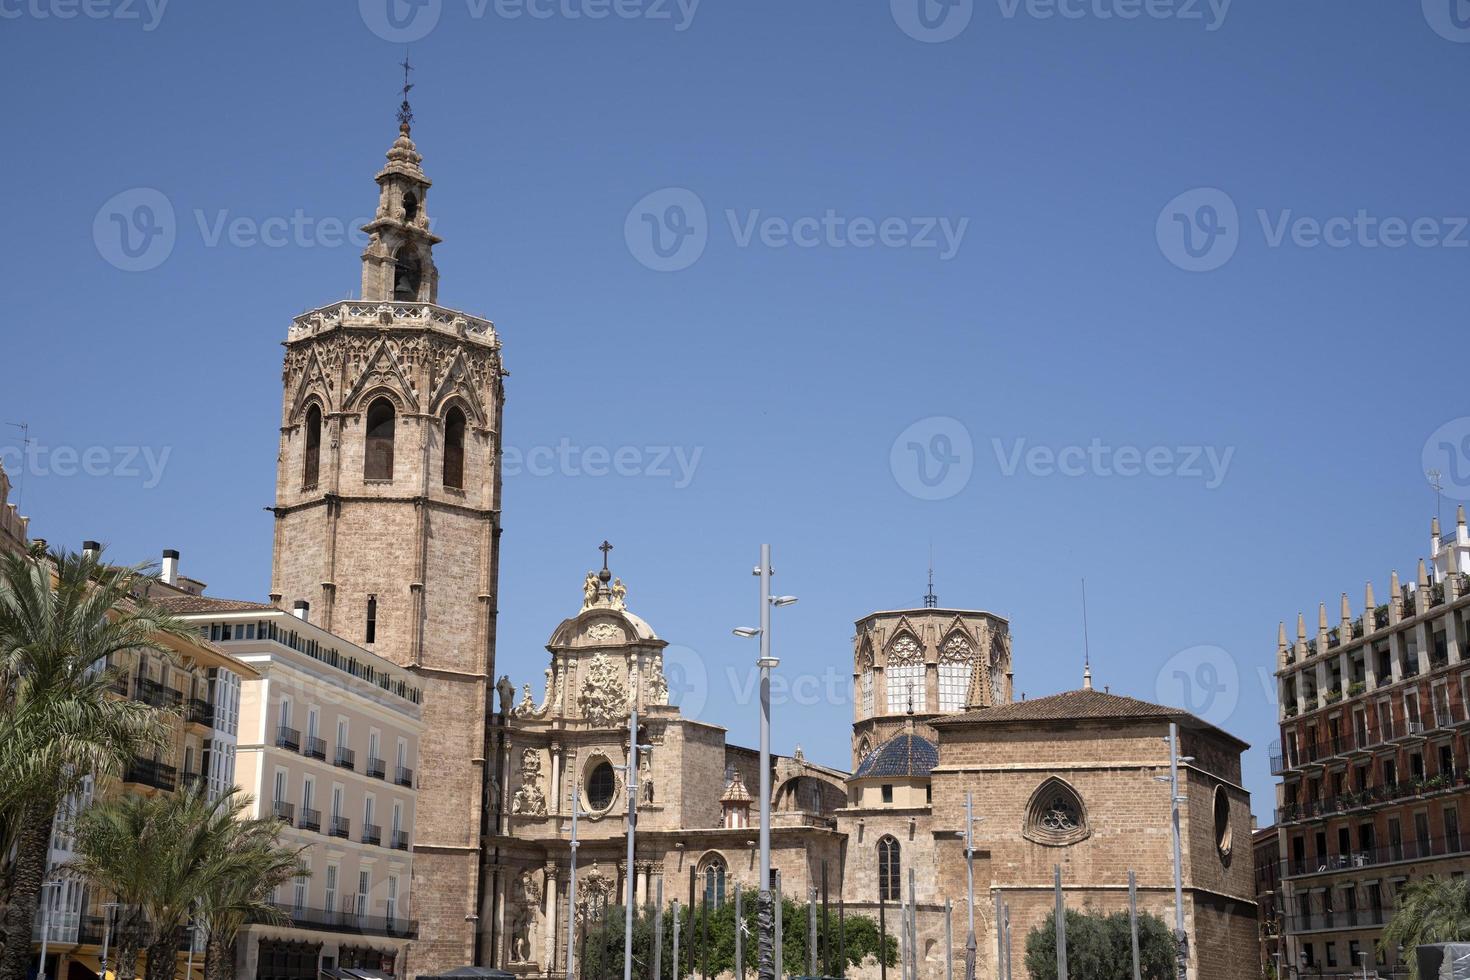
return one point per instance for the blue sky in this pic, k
(1039, 290)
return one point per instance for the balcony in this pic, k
(190, 781)
(310, 819)
(400, 840)
(372, 834)
(147, 772)
(345, 758)
(199, 712)
(156, 694)
(403, 776)
(284, 812)
(1373, 796)
(1337, 919)
(120, 684)
(288, 739)
(314, 748)
(332, 920)
(1410, 850)
(340, 827)
(376, 768)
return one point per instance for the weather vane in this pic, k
(405, 111)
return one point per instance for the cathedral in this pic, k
(387, 528)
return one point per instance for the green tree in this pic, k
(258, 863)
(600, 952)
(62, 617)
(1430, 910)
(1100, 947)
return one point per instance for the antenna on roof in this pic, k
(1086, 646)
(930, 599)
(1437, 483)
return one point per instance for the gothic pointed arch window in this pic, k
(1055, 816)
(312, 464)
(408, 272)
(956, 663)
(905, 675)
(866, 665)
(712, 876)
(454, 426)
(890, 874)
(378, 444)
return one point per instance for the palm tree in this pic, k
(62, 617)
(118, 847)
(1430, 910)
(260, 865)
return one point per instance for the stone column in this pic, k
(549, 962)
(556, 778)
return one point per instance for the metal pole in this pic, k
(704, 937)
(768, 964)
(826, 927)
(658, 931)
(189, 964)
(882, 938)
(572, 889)
(739, 934)
(107, 908)
(632, 825)
(913, 931)
(1006, 909)
(676, 940)
(1000, 937)
(693, 910)
(1133, 919)
(842, 938)
(45, 925)
(1061, 925)
(970, 948)
(780, 903)
(811, 930)
(1174, 801)
(948, 942)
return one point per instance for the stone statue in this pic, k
(526, 902)
(589, 590)
(603, 700)
(529, 799)
(507, 692)
(619, 594)
(658, 685)
(645, 780)
(527, 707)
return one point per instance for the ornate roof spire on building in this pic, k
(1281, 637)
(930, 599)
(1368, 604)
(1460, 515)
(1321, 616)
(1347, 611)
(1434, 526)
(398, 263)
(1423, 575)
(1301, 628)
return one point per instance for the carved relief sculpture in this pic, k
(530, 799)
(604, 700)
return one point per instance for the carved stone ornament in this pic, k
(604, 631)
(525, 904)
(604, 699)
(905, 650)
(658, 685)
(589, 591)
(593, 895)
(527, 706)
(530, 799)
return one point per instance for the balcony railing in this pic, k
(120, 684)
(372, 834)
(310, 819)
(156, 694)
(199, 712)
(284, 812)
(403, 776)
(340, 827)
(1373, 795)
(190, 780)
(345, 758)
(376, 768)
(315, 748)
(146, 772)
(400, 840)
(332, 920)
(1337, 919)
(1409, 850)
(288, 738)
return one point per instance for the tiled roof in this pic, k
(1079, 705)
(736, 791)
(903, 755)
(180, 605)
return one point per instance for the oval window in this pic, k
(601, 785)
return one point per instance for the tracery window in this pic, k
(867, 687)
(311, 469)
(890, 878)
(378, 450)
(956, 662)
(714, 882)
(454, 449)
(905, 676)
(1055, 816)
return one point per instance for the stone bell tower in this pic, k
(387, 521)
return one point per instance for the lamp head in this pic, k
(746, 631)
(782, 600)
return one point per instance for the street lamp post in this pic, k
(107, 908)
(1363, 956)
(45, 925)
(765, 916)
(1174, 800)
(571, 886)
(970, 885)
(633, 759)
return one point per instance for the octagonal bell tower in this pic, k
(387, 522)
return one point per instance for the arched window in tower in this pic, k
(890, 878)
(714, 882)
(371, 630)
(956, 661)
(1056, 815)
(865, 667)
(410, 207)
(378, 447)
(454, 449)
(407, 274)
(311, 468)
(905, 676)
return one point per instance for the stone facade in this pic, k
(387, 521)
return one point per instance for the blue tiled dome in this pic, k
(902, 755)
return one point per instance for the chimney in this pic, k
(302, 610)
(170, 573)
(91, 548)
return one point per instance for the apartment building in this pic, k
(328, 744)
(1374, 760)
(1266, 850)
